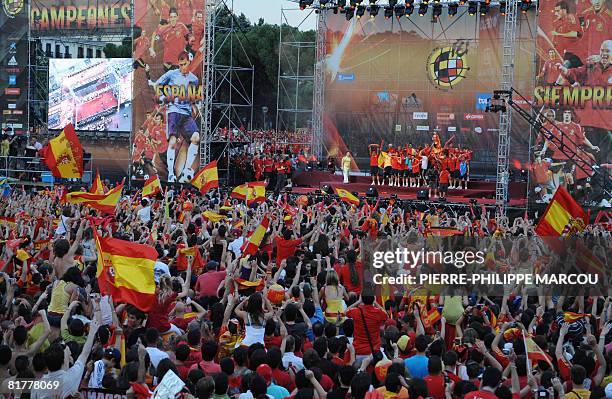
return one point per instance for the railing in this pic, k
(33, 170)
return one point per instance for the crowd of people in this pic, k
(296, 319)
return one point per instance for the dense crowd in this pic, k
(296, 320)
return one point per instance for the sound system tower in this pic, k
(423, 195)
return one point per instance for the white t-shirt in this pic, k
(145, 214)
(235, 246)
(95, 380)
(62, 226)
(156, 356)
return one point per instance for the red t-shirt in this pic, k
(174, 41)
(208, 282)
(270, 341)
(444, 176)
(435, 386)
(158, 316)
(374, 319)
(285, 248)
(396, 162)
(374, 160)
(480, 395)
(283, 379)
(344, 272)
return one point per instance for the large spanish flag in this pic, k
(102, 202)
(126, 271)
(346, 196)
(64, 154)
(562, 212)
(97, 187)
(151, 187)
(534, 352)
(253, 242)
(207, 178)
(250, 192)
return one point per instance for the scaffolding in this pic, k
(228, 88)
(296, 78)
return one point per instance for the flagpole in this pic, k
(527, 350)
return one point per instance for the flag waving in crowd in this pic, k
(207, 178)
(64, 154)
(151, 187)
(102, 202)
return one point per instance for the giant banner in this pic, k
(168, 43)
(573, 98)
(402, 79)
(13, 66)
(55, 17)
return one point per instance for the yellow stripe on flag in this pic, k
(132, 272)
(557, 217)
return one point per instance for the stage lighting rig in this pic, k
(388, 12)
(502, 7)
(374, 10)
(484, 8)
(399, 11)
(452, 9)
(472, 8)
(437, 10)
(305, 3)
(360, 11)
(423, 9)
(525, 6)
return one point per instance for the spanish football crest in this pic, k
(447, 66)
(12, 7)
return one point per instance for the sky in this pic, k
(270, 11)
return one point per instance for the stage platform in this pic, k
(482, 191)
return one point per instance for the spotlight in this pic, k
(525, 6)
(472, 7)
(409, 10)
(502, 7)
(349, 14)
(484, 8)
(423, 9)
(360, 11)
(388, 12)
(374, 11)
(437, 10)
(452, 9)
(305, 3)
(399, 11)
(392, 3)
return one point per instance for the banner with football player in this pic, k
(168, 45)
(573, 96)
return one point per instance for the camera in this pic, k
(542, 393)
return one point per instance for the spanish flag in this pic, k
(151, 187)
(534, 352)
(213, 217)
(97, 187)
(102, 202)
(562, 213)
(64, 154)
(251, 246)
(346, 196)
(587, 261)
(431, 317)
(182, 262)
(206, 178)
(571, 317)
(246, 284)
(126, 271)
(250, 192)
(381, 159)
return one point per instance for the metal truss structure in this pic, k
(297, 85)
(505, 118)
(319, 87)
(228, 88)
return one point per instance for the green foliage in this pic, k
(123, 51)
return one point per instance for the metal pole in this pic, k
(280, 55)
(130, 163)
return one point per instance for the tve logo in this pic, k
(12, 80)
(482, 99)
(346, 77)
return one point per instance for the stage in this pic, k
(482, 191)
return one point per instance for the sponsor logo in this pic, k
(447, 66)
(492, 130)
(452, 128)
(346, 77)
(12, 61)
(12, 80)
(478, 129)
(6, 112)
(464, 130)
(422, 128)
(12, 125)
(13, 70)
(12, 48)
(398, 128)
(17, 112)
(12, 91)
(473, 117)
(12, 7)
(420, 115)
(482, 100)
(445, 116)
(12, 105)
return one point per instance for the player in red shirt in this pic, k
(550, 71)
(443, 180)
(366, 314)
(566, 35)
(258, 165)
(374, 170)
(141, 44)
(596, 20)
(174, 38)
(396, 165)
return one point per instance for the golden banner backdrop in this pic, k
(48, 17)
(573, 96)
(168, 45)
(402, 79)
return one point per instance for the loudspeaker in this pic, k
(423, 194)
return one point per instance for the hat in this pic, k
(266, 372)
(381, 369)
(403, 342)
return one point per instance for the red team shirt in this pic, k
(174, 41)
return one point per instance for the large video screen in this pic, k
(93, 94)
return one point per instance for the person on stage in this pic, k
(416, 170)
(346, 166)
(464, 171)
(444, 179)
(396, 166)
(374, 170)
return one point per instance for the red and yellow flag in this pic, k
(97, 187)
(431, 317)
(250, 192)
(151, 187)
(246, 284)
(346, 196)
(534, 352)
(254, 240)
(562, 215)
(126, 271)
(206, 178)
(64, 154)
(102, 202)
(570, 317)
